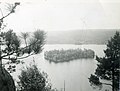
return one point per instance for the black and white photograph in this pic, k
(59, 45)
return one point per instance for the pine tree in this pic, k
(108, 67)
(31, 79)
(12, 51)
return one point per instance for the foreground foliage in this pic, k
(11, 50)
(68, 55)
(31, 79)
(6, 80)
(108, 67)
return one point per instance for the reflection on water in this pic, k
(75, 73)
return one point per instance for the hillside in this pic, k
(99, 36)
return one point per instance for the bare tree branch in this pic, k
(19, 50)
(26, 56)
(10, 11)
(19, 57)
(107, 84)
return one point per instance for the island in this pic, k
(68, 55)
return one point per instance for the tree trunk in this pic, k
(6, 80)
(25, 42)
(113, 79)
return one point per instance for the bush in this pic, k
(31, 79)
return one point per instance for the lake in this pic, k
(75, 73)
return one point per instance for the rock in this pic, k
(6, 81)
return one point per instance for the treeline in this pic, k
(68, 55)
(87, 36)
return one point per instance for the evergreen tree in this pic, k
(25, 36)
(108, 67)
(31, 79)
(12, 51)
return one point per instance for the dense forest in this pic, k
(68, 55)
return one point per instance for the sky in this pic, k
(60, 15)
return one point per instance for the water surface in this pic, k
(75, 73)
